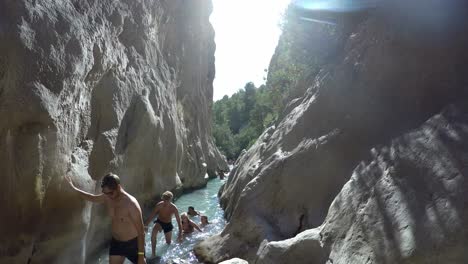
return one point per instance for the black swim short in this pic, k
(167, 227)
(128, 249)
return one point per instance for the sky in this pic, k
(246, 35)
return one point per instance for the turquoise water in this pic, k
(206, 202)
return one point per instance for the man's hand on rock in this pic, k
(69, 180)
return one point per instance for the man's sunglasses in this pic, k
(108, 193)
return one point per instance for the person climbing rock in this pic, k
(128, 235)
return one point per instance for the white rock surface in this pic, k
(88, 87)
(304, 248)
(408, 203)
(234, 261)
(389, 73)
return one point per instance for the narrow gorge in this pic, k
(368, 163)
(88, 87)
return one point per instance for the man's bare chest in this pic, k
(118, 211)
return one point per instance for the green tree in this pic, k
(240, 119)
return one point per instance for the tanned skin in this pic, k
(164, 210)
(125, 212)
(188, 226)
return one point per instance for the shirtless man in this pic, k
(164, 209)
(128, 235)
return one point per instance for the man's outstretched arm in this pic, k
(177, 216)
(195, 226)
(85, 195)
(152, 216)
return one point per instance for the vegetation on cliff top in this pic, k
(240, 119)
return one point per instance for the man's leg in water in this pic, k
(116, 259)
(154, 235)
(168, 236)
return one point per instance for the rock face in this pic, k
(407, 204)
(88, 87)
(234, 261)
(390, 73)
(303, 248)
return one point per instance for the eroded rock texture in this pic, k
(387, 72)
(88, 87)
(407, 204)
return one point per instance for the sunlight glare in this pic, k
(246, 35)
(336, 5)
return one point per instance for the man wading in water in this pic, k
(164, 209)
(128, 235)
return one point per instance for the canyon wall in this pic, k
(88, 87)
(367, 164)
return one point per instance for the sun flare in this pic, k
(247, 33)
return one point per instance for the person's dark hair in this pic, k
(110, 181)
(191, 208)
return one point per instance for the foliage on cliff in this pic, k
(241, 118)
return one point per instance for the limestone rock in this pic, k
(88, 87)
(234, 261)
(405, 205)
(390, 73)
(304, 248)
(408, 203)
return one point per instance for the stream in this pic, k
(206, 202)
